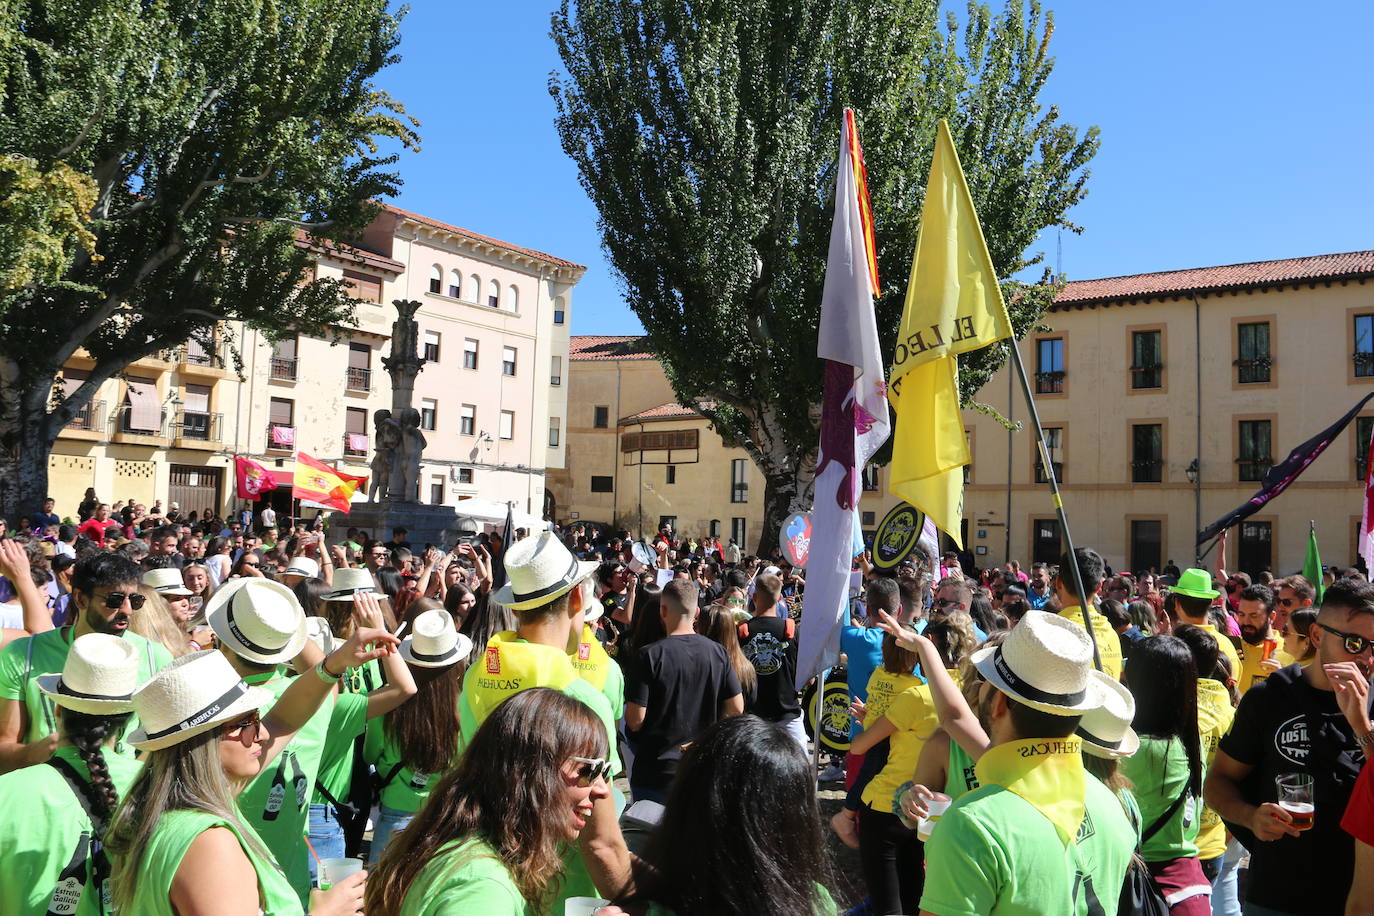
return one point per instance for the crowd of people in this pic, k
(206, 715)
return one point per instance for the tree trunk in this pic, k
(789, 477)
(26, 441)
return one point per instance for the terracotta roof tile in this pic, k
(1230, 276)
(603, 347)
(476, 237)
(670, 411)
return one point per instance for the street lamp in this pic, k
(1194, 472)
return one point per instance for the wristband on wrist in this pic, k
(322, 672)
(1365, 741)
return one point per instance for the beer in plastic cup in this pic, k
(1295, 797)
(332, 871)
(935, 807)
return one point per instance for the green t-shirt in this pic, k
(46, 653)
(994, 853)
(1159, 772)
(961, 775)
(464, 878)
(403, 789)
(46, 825)
(162, 857)
(825, 905)
(276, 803)
(336, 762)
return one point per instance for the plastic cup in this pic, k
(1296, 797)
(583, 906)
(935, 807)
(332, 871)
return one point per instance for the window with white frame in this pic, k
(508, 361)
(431, 353)
(556, 373)
(467, 420)
(553, 431)
(473, 291)
(455, 284)
(507, 424)
(429, 413)
(494, 294)
(436, 279)
(513, 298)
(469, 353)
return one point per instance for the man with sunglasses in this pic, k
(1311, 720)
(104, 598)
(1294, 593)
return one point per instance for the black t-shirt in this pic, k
(774, 657)
(1273, 732)
(681, 681)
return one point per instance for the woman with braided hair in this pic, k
(57, 863)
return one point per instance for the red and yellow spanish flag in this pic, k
(953, 305)
(318, 482)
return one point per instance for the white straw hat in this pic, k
(258, 619)
(99, 676)
(166, 581)
(434, 642)
(317, 631)
(540, 569)
(1106, 731)
(302, 566)
(191, 695)
(1044, 663)
(348, 581)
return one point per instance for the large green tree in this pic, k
(707, 134)
(161, 164)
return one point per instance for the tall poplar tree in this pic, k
(160, 164)
(706, 134)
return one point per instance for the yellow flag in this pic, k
(953, 305)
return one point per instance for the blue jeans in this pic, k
(1225, 901)
(389, 820)
(326, 835)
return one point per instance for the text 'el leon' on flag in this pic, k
(953, 306)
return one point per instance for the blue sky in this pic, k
(1231, 131)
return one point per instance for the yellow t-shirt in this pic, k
(1251, 671)
(913, 713)
(1108, 643)
(1214, 715)
(883, 688)
(1227, 647)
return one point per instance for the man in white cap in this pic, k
(551, 592)
(261, 628)
(1039, 835)
(104, 597)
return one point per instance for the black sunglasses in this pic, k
(1355, 644)
(115, 600)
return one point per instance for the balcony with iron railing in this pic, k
(88, 422)
(198, 429)
(196, 358)
(281, 437)
(282, 369)
(131, 427)
(358, 380)
(357, 448)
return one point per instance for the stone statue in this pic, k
(405, 461)
(404, 363)
(387, 438)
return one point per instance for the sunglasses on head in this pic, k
(947, 602)
(592, 769)
(1354, 643)
(115, 600)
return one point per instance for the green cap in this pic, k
(1195, 583)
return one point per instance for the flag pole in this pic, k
(1058, 499)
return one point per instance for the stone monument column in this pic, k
(403, 365)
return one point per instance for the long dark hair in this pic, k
(425, 728)
(1162, 677)
(310, 593)
(717, 623)
(713, 855)
(88, 734)
(486, 620)
(505, 787)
